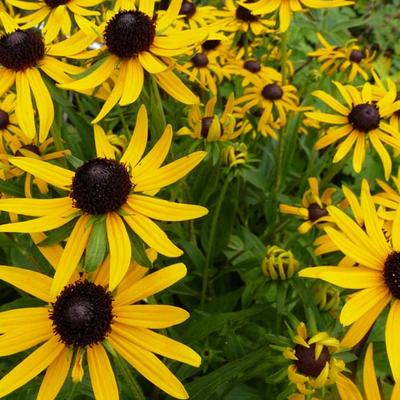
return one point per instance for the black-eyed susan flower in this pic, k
(135, 40)
(286, 8)
(84, 319)
(235, 155)
(23, 58)
(376, 278)
(209, 125)
(314, 206)
(314, 365)
(358, 122)
(234, 17)
(274, 99)
(206, 70)
(193, 15)
(352, 60)
(55, 15)
(120, 190)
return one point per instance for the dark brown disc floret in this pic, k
(356, 56)
(306, 362)
(252, 65)
(364, 117)
(244, 14)
(129, 33)
(100, 186)
(55, 3)
(20, 49)
(4, 119)
(211, 44)
(391, 274)
(272, 92)
(315, 212)
(82, 314)
(200, 60)
(188, 9)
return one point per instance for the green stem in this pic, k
(333, 171)
(71, 394)
(284, 58)
(130, 380)
(211, 238)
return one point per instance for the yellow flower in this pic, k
(351, 58)
(314, 207)
(359, 121)
(235, 155)
(120, 190)
(279, 264)
(194, 16)
(209, 125)
(288, 7)
(274, 99)
(135, 41)
(235, 17)
(376, 278)
(23, 56)
(56, 15)
(314, 365)
(85, 318)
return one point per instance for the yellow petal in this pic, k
(31, 282)
(120, 249)
(73, 251)
(168, 174)
(149, 366)
(22, 317)
(349, 278)
(149, 316)
(55, 376)
(392, 339)
(101, 374)
(137, 144)
(361, 302)
(43, 101)
(50, 173)
(347, 389)
(36, 207)
(151, 284)
(369, 376)
(31, 366)
(103, 146)
(163, 210)
(23, 106)
(41, 224)
(132, 70)
(152, 235)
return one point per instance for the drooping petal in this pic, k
(347, 389)
(392, 339)
(101, 374)
(31, 366)
(371, 388)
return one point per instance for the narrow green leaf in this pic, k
(58, 235)
(138, 250)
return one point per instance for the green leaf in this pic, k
(58, 235)
(206, 387)
(97, 246)
(138, 251)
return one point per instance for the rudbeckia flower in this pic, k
(314, 363)
(273, 98)
(134, 41)
(288, 7)
(56, 15)
(235, 17)
(209, 125)
(352, 60)
(314, 206)
(23, 58)
(360, 120)
(194, 16)
(375, 279)
(83, 318)
(121, 190)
